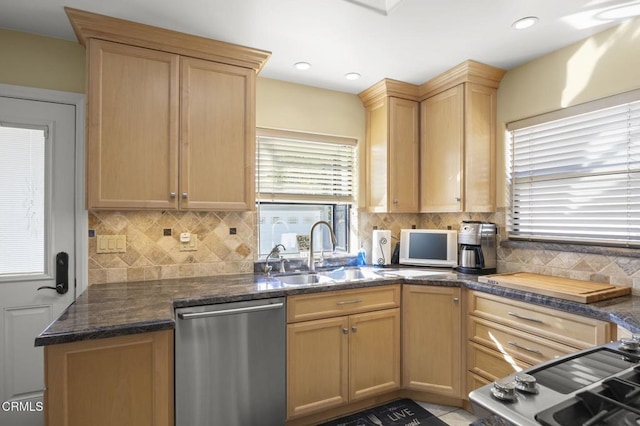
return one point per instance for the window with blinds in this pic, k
(302, 178)
(302, 167)
(575, 174)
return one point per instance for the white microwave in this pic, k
(429, 247)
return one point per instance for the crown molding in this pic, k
(88, 25)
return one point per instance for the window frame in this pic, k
(263, 198)
(566, 113)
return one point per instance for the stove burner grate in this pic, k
(615, 402)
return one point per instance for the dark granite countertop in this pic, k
(107, 310)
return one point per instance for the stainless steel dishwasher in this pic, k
(230, 364)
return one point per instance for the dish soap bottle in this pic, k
(361, 260)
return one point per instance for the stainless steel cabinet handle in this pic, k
(184, 195)
(172, 194)
(348, 302)
(535, 351)
(345, 330)
(354, 329)
(456, 300)
(513, 314)
(196, 315)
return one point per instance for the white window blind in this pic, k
(22, 200)
(577, 178)
(293, 166)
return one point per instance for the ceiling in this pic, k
(415, 41)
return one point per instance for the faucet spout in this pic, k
(312, 265)
(274, 252)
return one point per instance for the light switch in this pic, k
(111, 244)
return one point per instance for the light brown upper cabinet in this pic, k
(392, 136)
(458, 138)
(170, 117)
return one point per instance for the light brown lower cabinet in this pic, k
(342, 359)
(507, 335)
(432, 339)
(124, 380)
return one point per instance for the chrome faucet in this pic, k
(274, 252)
(312, 265)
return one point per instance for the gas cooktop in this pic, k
(598, 386)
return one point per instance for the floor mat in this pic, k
(403, 412)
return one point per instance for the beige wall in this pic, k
(289, 106)
(43, 62)
(603, 65)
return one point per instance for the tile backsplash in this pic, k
(151, 255)
(576, 262)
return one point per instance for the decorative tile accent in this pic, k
(151, 255)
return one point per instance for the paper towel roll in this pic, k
(381, 247)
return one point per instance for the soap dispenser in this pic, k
(361, 260)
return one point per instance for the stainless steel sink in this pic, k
(338, 275)
(345, 274)
(303, 279)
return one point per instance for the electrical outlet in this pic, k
(191, 244)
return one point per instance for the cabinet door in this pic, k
(317, 363)
(404, 178)
(125, 380)
(479, 148)
(441, 151)
(132, 127)
(374, 353)
(217, 115)
(432, 339)
(377, 157)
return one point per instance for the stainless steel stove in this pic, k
(597, 386)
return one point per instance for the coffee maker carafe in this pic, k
(477, 245)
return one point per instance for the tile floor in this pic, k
(453, 416)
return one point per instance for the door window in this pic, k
(22, 195)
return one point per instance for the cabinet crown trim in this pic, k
(388, 87)
(88, 25)
(467, 72)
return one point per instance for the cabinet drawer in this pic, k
(344, 302)
(474, 382)
(572, 330)
(490, 364)
(524, 346)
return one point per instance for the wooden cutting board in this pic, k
(562, 288)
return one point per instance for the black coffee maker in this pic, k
(477, 247)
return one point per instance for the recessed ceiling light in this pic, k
(302, 65)
(352, 76)
(523, 23)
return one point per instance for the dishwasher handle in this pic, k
(235, 311)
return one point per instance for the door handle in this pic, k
(234, 311)
(62, 274)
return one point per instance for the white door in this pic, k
(37, 221)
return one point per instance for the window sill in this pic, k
(574, 248)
